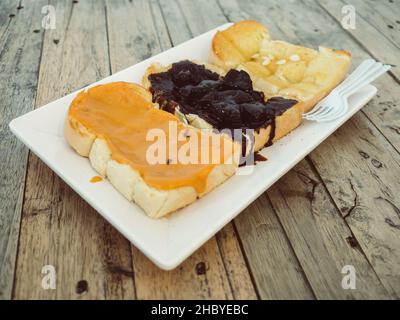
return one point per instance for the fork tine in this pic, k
(322, 111)
(372, 77)
(327, 110)
(318, 108)
(340, 112)
(363, 67)
(315, 112)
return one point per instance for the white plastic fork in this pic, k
(335, 105)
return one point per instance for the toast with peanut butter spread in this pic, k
(110, 125)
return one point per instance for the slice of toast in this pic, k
(279, 68)
(108, 124)
(263, 135)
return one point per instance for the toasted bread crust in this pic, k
(155, 202)
(239, 42)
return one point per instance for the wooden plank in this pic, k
(92, 260)
(204, 275)
(389, 9)
(383, 110)
(320, 238)
(201, 276)
(301, 27)
(177, 27)
(20, 50)
(363, 179)
(368, 36)
(201, 16)
(273, 263)
(314, 240)
(8, 10)
(235, 264)
(134, 40)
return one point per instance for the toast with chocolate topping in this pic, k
(204, 96)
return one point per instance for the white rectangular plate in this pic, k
(169, 241)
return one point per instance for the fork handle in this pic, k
(359, 71)
(367, 78)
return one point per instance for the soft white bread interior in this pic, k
(279, 68)
(128, 181)
(284, 123)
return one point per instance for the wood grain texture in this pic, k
(382, 15)
(390, 11)
(201, 276)
(133, 40)
(322, 241)
(363, 179)
(338, 207)
(178, 29)
(129, 43)
(235, 265)
(274, 265)
(92, 260)
(324, 237)
(201, 16)
(367, 35)
(19, 65)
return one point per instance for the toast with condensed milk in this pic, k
(279, 68)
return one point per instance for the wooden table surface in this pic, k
(340, 206)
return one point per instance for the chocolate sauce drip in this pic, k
(258, 157)
(224, 102)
